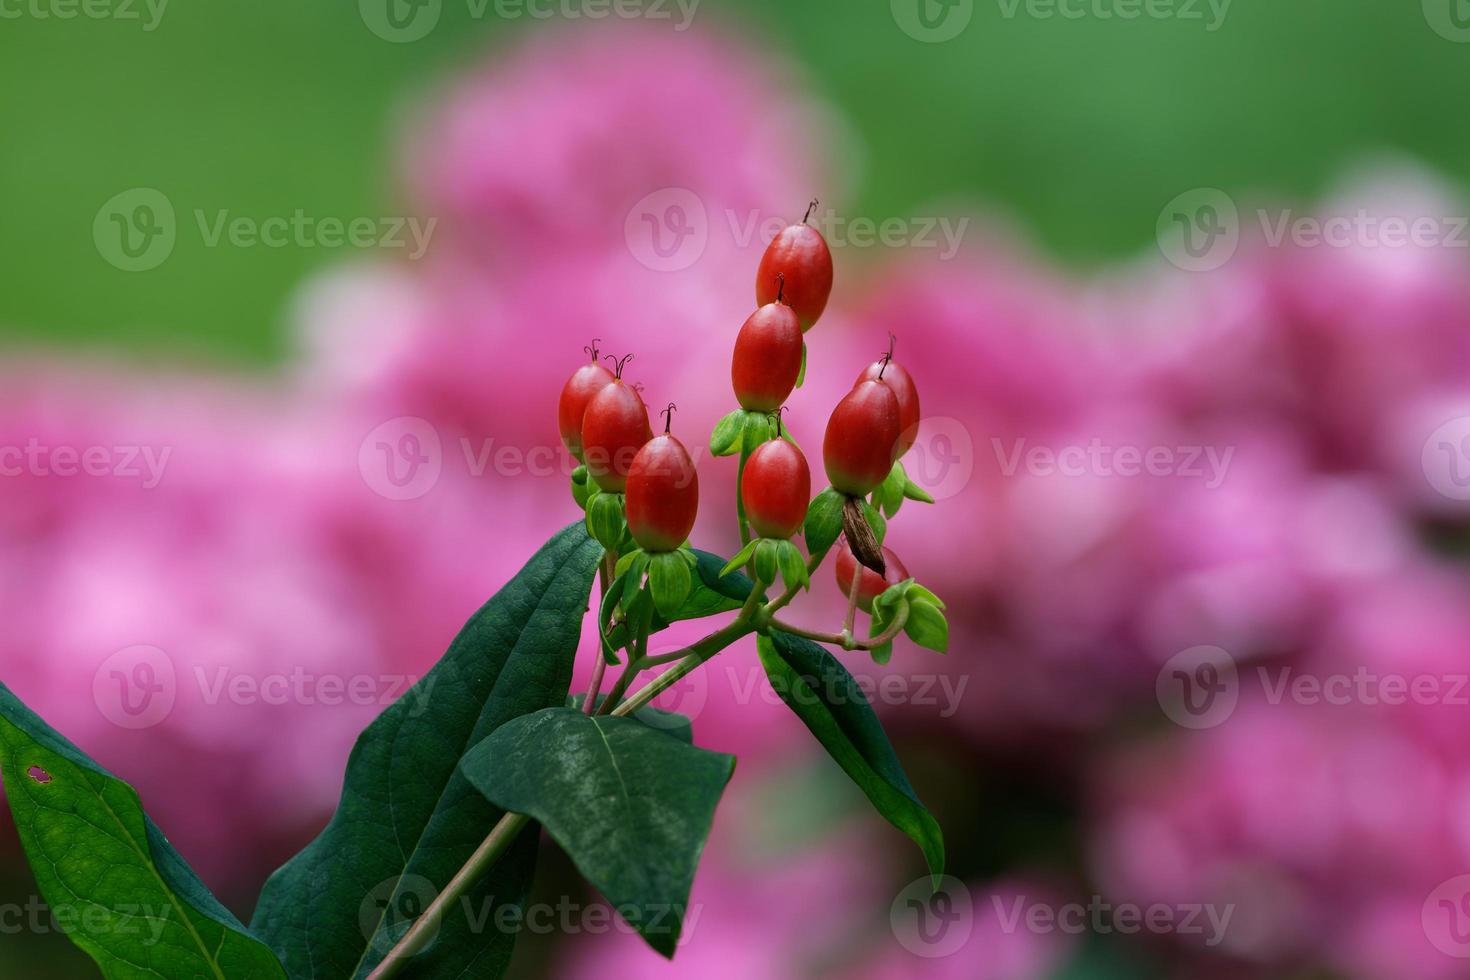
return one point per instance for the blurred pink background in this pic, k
(1310, 409)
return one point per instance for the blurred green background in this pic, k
(1083, 129)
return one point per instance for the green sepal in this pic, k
(605, 521)
(889, 496)
(757, 431)
(913, 491)
(767, 563)
(611, 599)
(741, 559)
(792, 565)
(801, 375)
(670, 581)
(875, 521)
(823, 522)
(926, 625)
(637, 557)
(725, 439)
(581, 487)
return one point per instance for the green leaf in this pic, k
(829, 702)
(118, 888)
(631, 806)
(823, 522)
(725, 439)
(611, 601)
(408, 820)
(801, 375)
(671, 582)
(668, 722)
(926, 625)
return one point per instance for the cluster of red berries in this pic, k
(641, 491)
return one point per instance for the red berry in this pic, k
(585, 382)
(904, 390)
(862, 435)
(614, 427)
(800, 254)
(776, 489)
(663, 494)
(871, 585)
(767, 358)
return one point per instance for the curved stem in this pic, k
(852, 600)
(848, 641)
(427, 925)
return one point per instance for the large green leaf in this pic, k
(113, 881)
(829, 702)
(630, 805)
(408, 820)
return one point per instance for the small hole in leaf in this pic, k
(39, 775)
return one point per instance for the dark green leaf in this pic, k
(669, 722)
(630, 805)
(714, 591)
(408, 820)
(829, 702)
(823, 522)
(116, 885)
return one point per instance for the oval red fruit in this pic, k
(799, 253)
(585, 382)
(871, 585)
(776, 488)
(663, 495)
(767, 358)
(614, 428)
(862, 435)
(902, 383)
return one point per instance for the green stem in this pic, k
(426, 926)
(847, 641)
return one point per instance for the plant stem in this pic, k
(426, 926)
(852, 598)
(599, 666)
(848, 641)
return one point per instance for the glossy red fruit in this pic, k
(767, 358)
(585, 382)
(862, 437)
(799, 253)
(614, 427)
(871, 585)
(902, 383)
(776, 489)
(663, 494)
